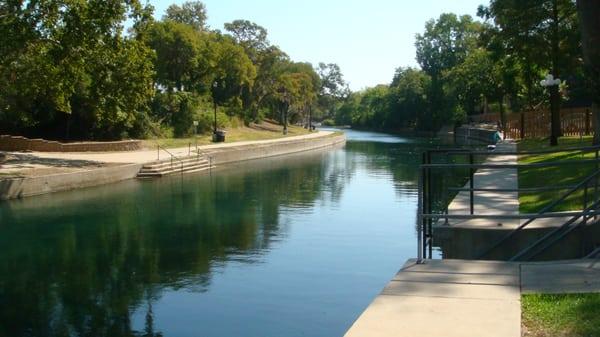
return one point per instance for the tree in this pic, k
(296, 90)
(179, 56)
(474, 81)
(192, 13)
(333, 87)
(589, 12)
(233, 72)
(68, 70)
(445, 44)
(264, 57)
(408, 99)
(543, 35)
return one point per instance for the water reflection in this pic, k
(115, 260)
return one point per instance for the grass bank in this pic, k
(262, 131)
(573, 315)
(566, 175)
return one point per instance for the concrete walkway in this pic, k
(47, 159)
(501, 203)
(446, 298)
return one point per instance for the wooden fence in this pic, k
(536, 124)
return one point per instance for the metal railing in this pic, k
(433, 207)
(172, 156)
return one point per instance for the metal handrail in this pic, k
(524, 189)
(499, 166)
(546, 209)
(159, 147)
(425, 218)
(586, 212)
(547, 215)
(570, 149)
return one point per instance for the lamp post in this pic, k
(552, 84)
(215, 86)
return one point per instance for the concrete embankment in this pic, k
(222, 154)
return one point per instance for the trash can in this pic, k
(219, 136)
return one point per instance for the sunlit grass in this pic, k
(566, 175)
(573, 315)
(263, 131)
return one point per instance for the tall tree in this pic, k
(445, 44)
(191, 13)
(589, 12)
(68, 70)
(333, 87)
(265, 57)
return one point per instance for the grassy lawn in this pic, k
(573, 315)
(562, 175)
(261, 131)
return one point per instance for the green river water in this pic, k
(290, 246)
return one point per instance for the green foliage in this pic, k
(328, 122)
(69, 71)
(191, 13)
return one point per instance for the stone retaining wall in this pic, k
(29, 186)
(18, 143)
(255, 151)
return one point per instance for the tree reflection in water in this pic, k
(80, 263)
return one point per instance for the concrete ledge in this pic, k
(254, 151)
(30, 186)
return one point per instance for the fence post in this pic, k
(585, 201)
(157, 152)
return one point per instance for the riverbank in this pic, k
(54, 172)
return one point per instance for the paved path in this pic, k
(446, 298)
(41, 160)
(491, 202)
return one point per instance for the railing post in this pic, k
(596, 178)
(429, 222)
(427, 202)
(420, 220)
(585, 200)
(471, 184)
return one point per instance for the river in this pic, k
(288, 246)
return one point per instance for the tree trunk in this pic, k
(589, 12)
(555, 131)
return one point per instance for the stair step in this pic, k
(167, 163)
(174, 166)
(150, 173)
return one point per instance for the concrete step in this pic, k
(177, 165)
(165, 167)
(167, 163)
(175, 169)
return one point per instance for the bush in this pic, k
(328, 122)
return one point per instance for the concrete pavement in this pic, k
(40, 160)
(447, 298)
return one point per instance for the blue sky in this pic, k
(368, 39)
